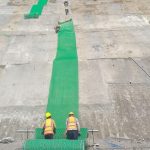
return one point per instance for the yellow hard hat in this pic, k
(71, 113)
(48, 114)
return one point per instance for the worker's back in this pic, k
(71, 123)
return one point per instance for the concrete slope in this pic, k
(27, 50)
(114, 73)
(113, 45)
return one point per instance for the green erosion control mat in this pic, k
(63, 95)
(63, 92)
(54, 145)
(36, 9)
(58, 143)
(60, 134)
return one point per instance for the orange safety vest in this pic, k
(71, 123)
(49, 126)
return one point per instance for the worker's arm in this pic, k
(78, 125)
(54, 126)
(43, 128)
(66, 125)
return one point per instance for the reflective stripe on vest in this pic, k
(71, 123)
(49, 126)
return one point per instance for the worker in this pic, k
(67, 10)
(66, 4)
(72, 127)
(49, 127)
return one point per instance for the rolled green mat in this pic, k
(60, 134)
(63, 144)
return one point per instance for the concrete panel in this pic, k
(30, 48)
(125, 116)
(113, 44)
(96, 75)
(25, 84)
(118, 94)
(109, 7)
(91, 81)
(132, 120)
(31, 118)
(123, 71)
(144, 63)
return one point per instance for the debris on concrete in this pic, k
(7, 140)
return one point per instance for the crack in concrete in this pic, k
(140, 67)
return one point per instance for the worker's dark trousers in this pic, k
(49, 136)
(72, 134)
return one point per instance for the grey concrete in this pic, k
(113, 46)
(114, 59)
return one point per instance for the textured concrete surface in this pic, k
(113, 45)
(114, 65)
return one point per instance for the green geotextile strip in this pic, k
(63, 92)
(36, 9)
(54, 145)
(58, 143)
(60, 134)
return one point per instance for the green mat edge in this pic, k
(35, 15)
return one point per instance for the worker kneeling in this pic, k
(49, 128)
(73, 127)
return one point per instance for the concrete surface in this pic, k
(114, 65)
